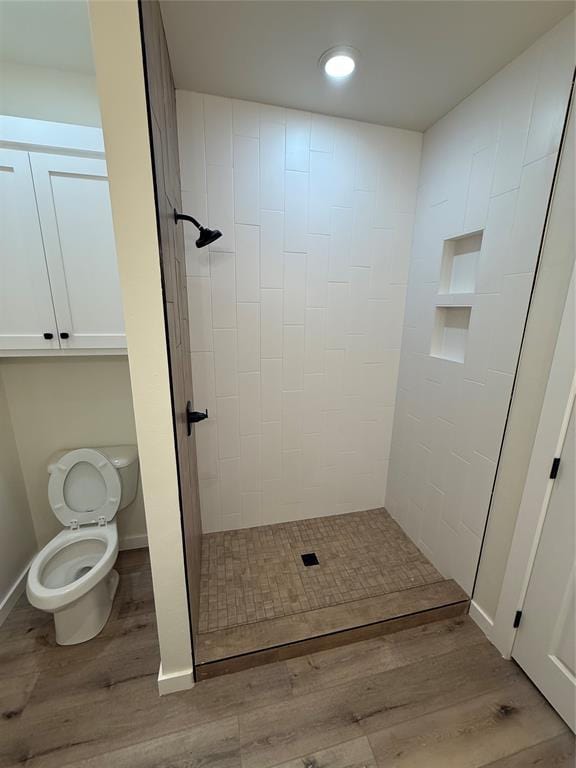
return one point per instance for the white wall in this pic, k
(17, 539)
(68, 403)
(118, 57)
(48, 94)
(487, 165)
(296, 313)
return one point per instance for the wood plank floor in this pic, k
(434, 696)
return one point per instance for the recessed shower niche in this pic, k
(459, 263)
(450, 333)
(457, 278)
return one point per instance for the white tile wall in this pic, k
(487, 165)
(295, 314)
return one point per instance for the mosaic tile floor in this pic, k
(254, 574)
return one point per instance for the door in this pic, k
(162, 122)
(27, 319)
(545, 646)
(76, 222)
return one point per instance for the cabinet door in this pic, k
(26, 311)
(76, 221)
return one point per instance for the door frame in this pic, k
(552, 282)
(550, 436)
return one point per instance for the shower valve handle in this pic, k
(193, 417)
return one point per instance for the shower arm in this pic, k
(183, 217)
(206, 237)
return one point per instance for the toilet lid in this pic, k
(84, 488)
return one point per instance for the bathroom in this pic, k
(334, 388)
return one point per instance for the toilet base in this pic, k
(85, 618)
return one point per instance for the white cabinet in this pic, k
(58, 270)
(26, 309)
(76, 221)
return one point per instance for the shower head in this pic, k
(206, 236)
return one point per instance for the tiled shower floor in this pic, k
(255, 574)
(260, 603)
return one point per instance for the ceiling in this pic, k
(419, 58)
(47, 33)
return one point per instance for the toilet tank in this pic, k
(123, 457)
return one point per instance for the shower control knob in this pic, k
(193, 417)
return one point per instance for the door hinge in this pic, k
(555, 467)
(517, 619)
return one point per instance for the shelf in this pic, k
(450, 334)
(95, 352)
(459, 263)
(455, 299)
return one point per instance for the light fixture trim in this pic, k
(339, 62)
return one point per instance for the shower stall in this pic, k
(353, 330)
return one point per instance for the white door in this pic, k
(76, 221)
(27, 318)
(545, 646)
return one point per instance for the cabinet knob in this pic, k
(48, 336)
(64, 335)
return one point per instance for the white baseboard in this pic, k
(138, 541)
(14, 594)
(175, 681)
(481, 618)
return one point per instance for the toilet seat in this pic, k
(57, 497)
(55, 598)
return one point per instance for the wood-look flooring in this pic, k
(434, 696)
(237, 648)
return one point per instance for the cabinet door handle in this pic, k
(64, 335)
(48, 336)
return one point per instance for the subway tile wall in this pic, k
(296, 312)
(488, 165)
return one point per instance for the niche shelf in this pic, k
(459, 263)
(450, 333)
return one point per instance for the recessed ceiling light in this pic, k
(339, 62)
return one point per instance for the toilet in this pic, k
(73, 576)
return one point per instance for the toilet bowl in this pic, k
(73, 576)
